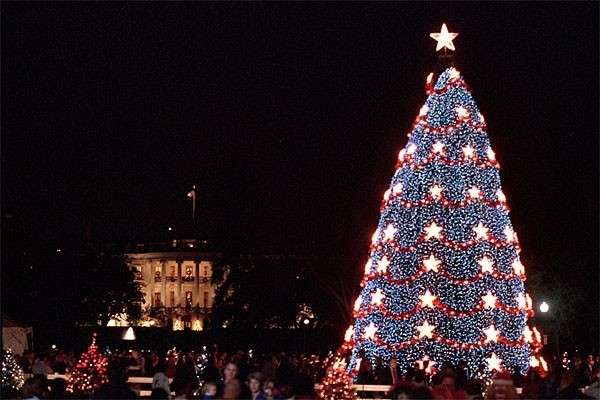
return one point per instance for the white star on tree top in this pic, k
(444, 38)
(431, 263)
(425, 330)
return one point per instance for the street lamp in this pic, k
(544, 307)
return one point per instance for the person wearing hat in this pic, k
(502, 388)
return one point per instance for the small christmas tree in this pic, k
(90, 371)
(12, 374)
(337, 382)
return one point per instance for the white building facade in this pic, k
(176, 282)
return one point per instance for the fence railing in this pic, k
(142, 384)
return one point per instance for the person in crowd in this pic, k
(159, 393)
(58, 388)
(446, 389)
(255, 383)
(60, 364)
(185, 381)
(568, 387)
(420, 390)
(401, 391)
(116, 388)
(593, 390)
(231, 384)
(33, 388)
(302, 382)
(502, 388)
(473, 388)
(268, 388)
(269, 366)
(532, 385)
(209, 391)
(171, 365)
(27, 361)
(153, 365)
(41, 365)
(365, 371)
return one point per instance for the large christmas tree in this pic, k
(444, 281)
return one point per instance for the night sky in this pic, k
(289, 118)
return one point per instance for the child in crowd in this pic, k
(209, 391)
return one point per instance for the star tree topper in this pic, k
(444, 38)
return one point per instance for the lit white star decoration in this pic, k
(444, 38)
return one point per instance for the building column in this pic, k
(197, 285)
(163, 281)
(178, 294)
(151, 283)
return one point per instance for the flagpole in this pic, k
(193, 203)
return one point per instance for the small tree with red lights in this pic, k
(90, 372)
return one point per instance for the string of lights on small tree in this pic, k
(90, 372)
(444, 281)
(12, 374)
(337, 384)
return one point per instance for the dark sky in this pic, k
(289, 118)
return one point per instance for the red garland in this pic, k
(441, 306)
(452, 279)
(452, 83)
(408, 160)
(450, 342)
(499, 244)
(429, 200)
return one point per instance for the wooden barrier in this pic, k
(137, 381)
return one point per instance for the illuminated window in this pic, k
(172, 270)
(188, 299)
(189, 270)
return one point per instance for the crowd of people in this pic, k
(214, 374)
